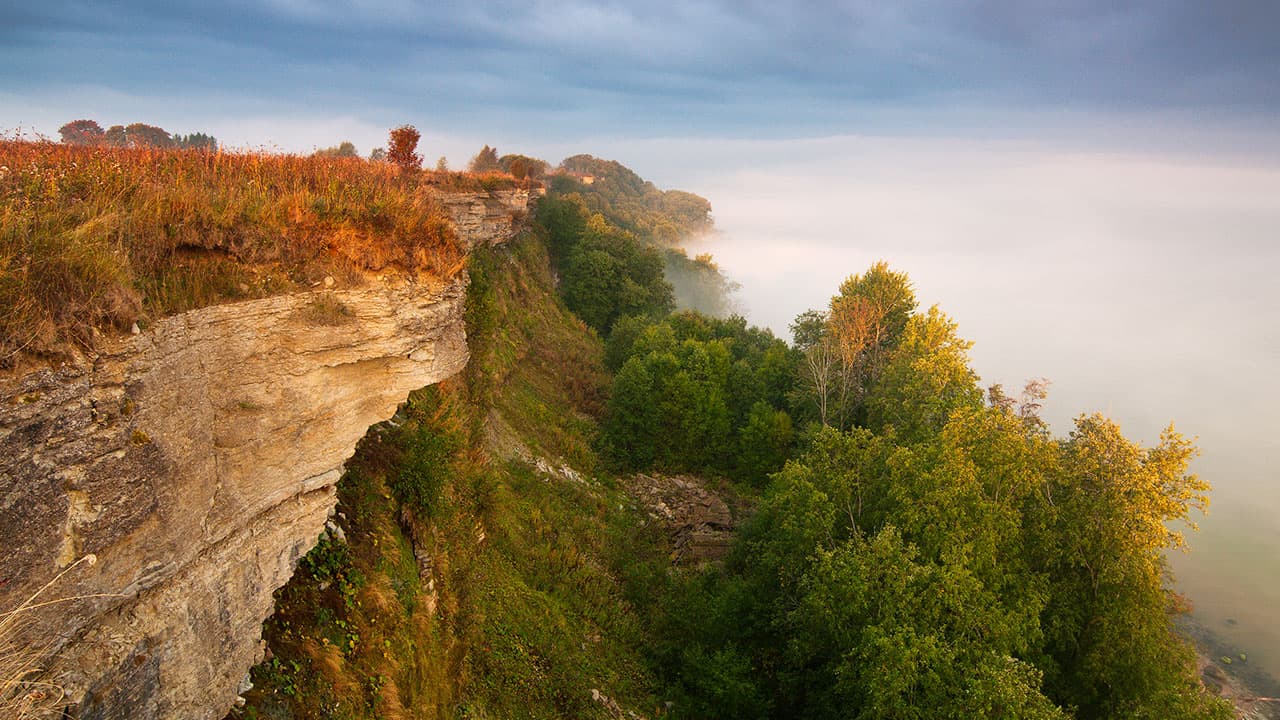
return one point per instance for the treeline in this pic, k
(134, 135)
(665, 220)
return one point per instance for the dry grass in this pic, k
(24, 694)
(92, 237)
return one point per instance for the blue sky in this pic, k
(297, 73)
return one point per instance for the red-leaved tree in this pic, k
(403, 142)
(81, 132)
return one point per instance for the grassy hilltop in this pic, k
(96, 236)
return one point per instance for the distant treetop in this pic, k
(135, 135)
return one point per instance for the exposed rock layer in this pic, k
(699, 524)
(197, 462)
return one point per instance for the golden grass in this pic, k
(23, 693)
(95, 237)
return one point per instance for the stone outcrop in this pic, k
(699, 523)
(196, 461)
(486, 217)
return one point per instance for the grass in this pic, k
(24, 694)
(97, 237)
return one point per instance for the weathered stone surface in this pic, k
(699, 523)
(486, 217)
(197, 461)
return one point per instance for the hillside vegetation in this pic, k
(93, 236)
(472, 582)
(920, 547)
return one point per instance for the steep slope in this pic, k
(478, 566)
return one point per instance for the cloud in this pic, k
(660, 68)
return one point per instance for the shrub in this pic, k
(418, 480)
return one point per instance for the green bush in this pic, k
(426, 465)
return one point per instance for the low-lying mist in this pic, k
(1142, 286)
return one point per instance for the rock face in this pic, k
(699, 523)
(486, 217)
(197, 462)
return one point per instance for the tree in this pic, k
(345, 149)
(378, 155)
(809, 334)
(925, 378)
(630, 426)
(401, 148)
(485, 161)
(609, 274)
(82, 132)
(763, 443)
(115, 136)
(141, 135)
(197, 141)
(864, 321)
(1108, 626)
(523, 167)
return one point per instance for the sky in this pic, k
(296, 74)
(1090, 188)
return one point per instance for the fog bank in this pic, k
(1142, 285)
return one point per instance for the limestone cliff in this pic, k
(197, 462)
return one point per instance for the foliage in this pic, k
(609, 274)
(925, 378)
(844, 347)
(141, 135)
(485, 161)
(196, 141)
(698, 394)
(425, 465)
(523, 167)
(345, 149)
(664, 219)
(82, 132)
(628, 201)
(402, 145)
(954, 560)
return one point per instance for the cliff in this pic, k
(196, 461)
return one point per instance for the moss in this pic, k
(138, 438)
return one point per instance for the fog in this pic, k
(1141, 285)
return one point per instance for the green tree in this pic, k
(608, 274)
(821, 369)
(926, 377)
(345, 149)
(763, 443)
(1114, 651)
(631, 423)
(884, 633)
